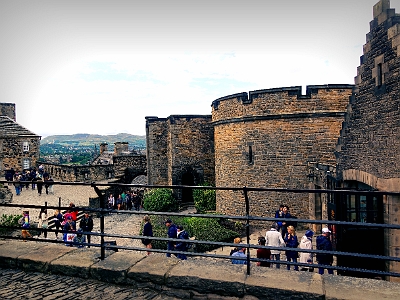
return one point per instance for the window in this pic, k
(251, 161)
(26, 163)
(380, 76)
(25, 146)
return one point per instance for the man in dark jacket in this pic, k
(172, 233)
(182, 246)
(324, 243)
(86, 224)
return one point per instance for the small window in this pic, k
(25, 146)
(26, 164)
(250, 154)
(380, 76)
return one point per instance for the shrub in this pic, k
(201, 228)
(9, 220)
(204, 200)
(160, 200)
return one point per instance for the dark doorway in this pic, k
(363, 208)
(187, 193)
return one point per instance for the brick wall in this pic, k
(267, 139)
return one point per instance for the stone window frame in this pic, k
(26, 163)
(379, 70)
(25, 146)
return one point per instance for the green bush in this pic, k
(160, 200)
(204, 200)
(9, 220)
(202, 228)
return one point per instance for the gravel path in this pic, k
(79, 195)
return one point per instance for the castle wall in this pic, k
(180, 151)
(190, 149)
(156, 147)
(369, 146)
(267, 139)
(134, 162)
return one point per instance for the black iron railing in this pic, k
(247, 218)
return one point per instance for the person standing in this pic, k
(172, 231)
(86, 224)
(263, 253)
(285, 214)
(43, 222)
(58, 219)
(306, 257)
(324, 243)
(147, 231)
(274, 239)
(291, 242)
(278, 214)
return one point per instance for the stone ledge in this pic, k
(191, 277)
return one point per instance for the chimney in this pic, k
(103, 147)
(120, 147)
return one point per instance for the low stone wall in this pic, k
(5, 195)
(195, 278)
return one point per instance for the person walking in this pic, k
(86, 224)
(147, 231)
(172, 231)
(43, 222)
(274, 239)
(324, 243)
(291, 242)
(182, 234)
(306, 257)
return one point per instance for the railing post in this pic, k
(59, 203)
(103, 248)
(246, 199)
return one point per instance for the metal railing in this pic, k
(247, 218)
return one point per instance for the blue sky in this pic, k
(103, 66)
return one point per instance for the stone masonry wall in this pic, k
(156, 147)
(12, 154)
(371, 134)
(369, 146)
(8, 109)
(267, 139)
(191, 149)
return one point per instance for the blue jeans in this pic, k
(276, 257)
(296, 267)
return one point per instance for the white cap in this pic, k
(325, 230)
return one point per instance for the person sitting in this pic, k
(79, 239)
(240, 253)
(235, 249)
(263, 253)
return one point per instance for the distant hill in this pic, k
(85, 139)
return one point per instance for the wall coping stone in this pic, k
(198, 275)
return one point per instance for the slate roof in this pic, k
(10, 128)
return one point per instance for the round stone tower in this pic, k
(267, 138)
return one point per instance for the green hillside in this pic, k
(84, 139)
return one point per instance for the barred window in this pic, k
(25, 146)
(26, 163)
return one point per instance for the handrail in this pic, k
(247, 218)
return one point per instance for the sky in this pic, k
(101, 67)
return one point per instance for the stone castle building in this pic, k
(333, 137)
(19, 147)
